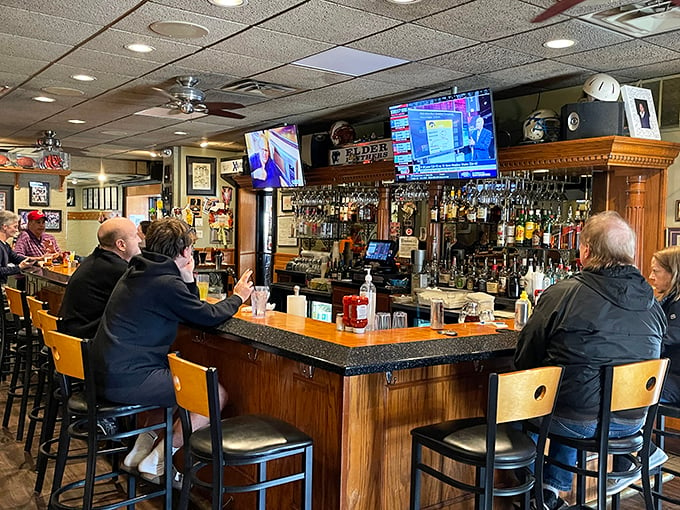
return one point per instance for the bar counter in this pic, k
(357, 395)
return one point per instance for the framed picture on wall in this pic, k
(23, 217)
(286, 202)
(70, 197)
(6, 198)
(52, 220)
(673, 237)
(39, 193)
(201, 176)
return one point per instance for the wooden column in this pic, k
(383, 213)
(636, 188)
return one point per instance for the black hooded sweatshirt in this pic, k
(597, 318)
(141, 318)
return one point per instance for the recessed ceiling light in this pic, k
(557, 44)
(63, 91)
(228, 3)
(403, 1)
(179, 29)
(74, 181)
(180, 133)
(102, 177)
(203, 144)
(77, 121)
(83, 77)
(43, 99)
(139, 48)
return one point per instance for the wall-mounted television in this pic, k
(450, 137)
(274, 157)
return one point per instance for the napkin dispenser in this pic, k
(296, 304)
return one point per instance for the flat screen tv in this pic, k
(274, 157)
(450, 137)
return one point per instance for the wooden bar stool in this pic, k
(495, 442)
(82, 412)
(660, 434)
(22, 372)
(238, 441)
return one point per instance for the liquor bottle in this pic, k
(472, 211)
(434, 211)
(452, 209)
(578, 226)
(568, 232)
(510, 231)
(492, 281)
(519, 228)
(470, 283)
(556, 231)
(529, 225)
(461, 279)
(483, 277)
(462, 206)
(514, 281)
(547, 229)
(537, 237)
(501, 230)
(482, 211)
(503, 277)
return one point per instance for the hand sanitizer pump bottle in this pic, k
(368, 290)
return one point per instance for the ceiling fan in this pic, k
(562, 5)
(186, 98)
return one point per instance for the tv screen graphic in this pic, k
(450, 137)
(274, 157)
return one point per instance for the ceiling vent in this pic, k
(639, 19)
(260, 89)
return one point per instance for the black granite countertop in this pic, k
(350, 361)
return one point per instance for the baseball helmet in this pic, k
(602, 87)
(542, 126)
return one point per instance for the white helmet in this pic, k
(542, 126)
(341, 133)
(602, 87)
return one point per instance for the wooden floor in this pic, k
(17, 476)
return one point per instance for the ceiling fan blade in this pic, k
(225, 113)
(165, 93)
(559, 7)
(224, 106)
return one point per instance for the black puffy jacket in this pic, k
(598, 317)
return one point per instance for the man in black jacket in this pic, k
(605, 315)
(139, 325)
(90, 287)
(10, 261)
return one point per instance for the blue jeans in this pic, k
(561, 479)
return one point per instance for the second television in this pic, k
(274, 157)
(449, 137)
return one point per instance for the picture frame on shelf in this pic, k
(201, 176)
(640, 112)
(52, 220)
(6, 198)
(39, 194)
(673, 237)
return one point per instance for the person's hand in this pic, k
(244, 286)
(27, 262)
(187, 271)
(50, 249)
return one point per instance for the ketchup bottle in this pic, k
(359, 317)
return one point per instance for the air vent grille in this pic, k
(260, 88)
(639, 19)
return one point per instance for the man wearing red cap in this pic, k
(33, 242)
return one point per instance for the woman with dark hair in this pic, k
(141, 232)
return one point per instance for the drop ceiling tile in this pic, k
(45, 27)
(165, 77)
(545, 70)
(151, 12)
(402, 12)
(101, 13)
(271, 45)
(252, 13)
(356, 90)
(416, 74)
(670, 40)
(12, 79)
(478, 82)
(480, 59)
(473, 19)
(586, 35)
(282, 106)
(23, 66)
(31, 48)
(106, 62)
(60, 76)
(301, 77)
(113, 42)
(227, 63)
(411, 42)
(324, 21)
(655, 70)
(610, 58)
(583, 8)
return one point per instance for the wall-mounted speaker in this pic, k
(592, 119)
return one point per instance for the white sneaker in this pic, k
(153, 465)
(142, 448)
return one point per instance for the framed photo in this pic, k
(201, 176)
(52, 220)
(285, 231)
(640, 112)
(39, 193)
(6, 198)
(286, 202)
(231, 166)
(673, 237)
(23, 217)
(70, 197)
(677, 210)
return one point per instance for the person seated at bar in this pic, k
(139, 325)
(607, 314)
(34, 242)
(10, 261)
(141, 231)
(90, 286)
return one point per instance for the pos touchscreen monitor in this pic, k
(380, 251)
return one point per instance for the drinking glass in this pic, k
(399, 320)
(437, 313)
(258, 300)
(203, 284)
(383, 320)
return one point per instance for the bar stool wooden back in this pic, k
(494, 442)
(22, 372)
(83, 412)
(625, 387)
(238, 441)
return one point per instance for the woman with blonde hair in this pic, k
(665, 278)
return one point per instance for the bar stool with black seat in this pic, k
(495, 442)
(660, 434)
(625, 387)
(82, 413)
(23, 369)
(237, 441)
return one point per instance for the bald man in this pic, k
(91, 285)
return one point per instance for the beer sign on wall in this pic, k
(375, 150)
